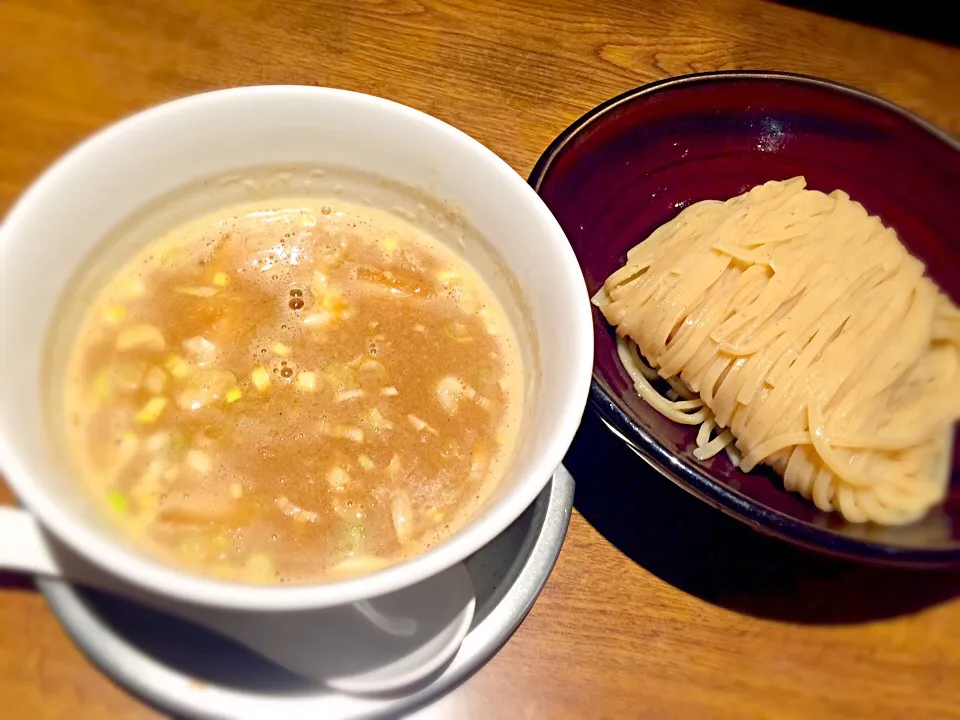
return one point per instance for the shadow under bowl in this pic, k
(634, 162)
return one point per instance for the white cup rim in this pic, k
(187, 587)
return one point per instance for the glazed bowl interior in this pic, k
(633, 163)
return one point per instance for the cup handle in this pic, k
(26, 547)
(449, 600)
(375, 646)
(23, 545)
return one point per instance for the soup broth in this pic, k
(293, 391)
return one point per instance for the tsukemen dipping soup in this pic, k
(293, 391)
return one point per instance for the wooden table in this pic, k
(659, 606)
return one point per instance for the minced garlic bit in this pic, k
(200, 347)
(378, 420)
(354, 434)
(421, 425)
(261, 378)
(318, 319)
(140, 336)
(259, 568)
(374, 369)
(200, 461)
(155, 380)
(152, 411)
(307, 381)
(233, 395)
(197, 290)
(357, 565)
(390, 391)
(148, 502)
(394, 466)
(365, 462)
(402, 512)
(319, 283)
(221, 279)
(337, 478)
(115, 314)
(333, 301)
(479, 462)
(450, 390)
(101, 385)
(157, 441)
(132, 287)
(349, 395)
(294, 511)
(177, 366)
(456, 330)
(281, 349)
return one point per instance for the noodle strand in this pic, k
(797, 331)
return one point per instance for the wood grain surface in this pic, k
(658, 607)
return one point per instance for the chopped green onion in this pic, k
(178, 443)
(118, 501)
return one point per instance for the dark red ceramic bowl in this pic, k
(632, 163)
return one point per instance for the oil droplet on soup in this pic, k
(295, 392)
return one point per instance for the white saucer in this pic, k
(186, 670)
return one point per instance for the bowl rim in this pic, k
(169, 581)
(685, 473)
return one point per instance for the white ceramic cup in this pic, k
(66, 213)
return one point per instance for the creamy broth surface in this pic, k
(293, 391)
